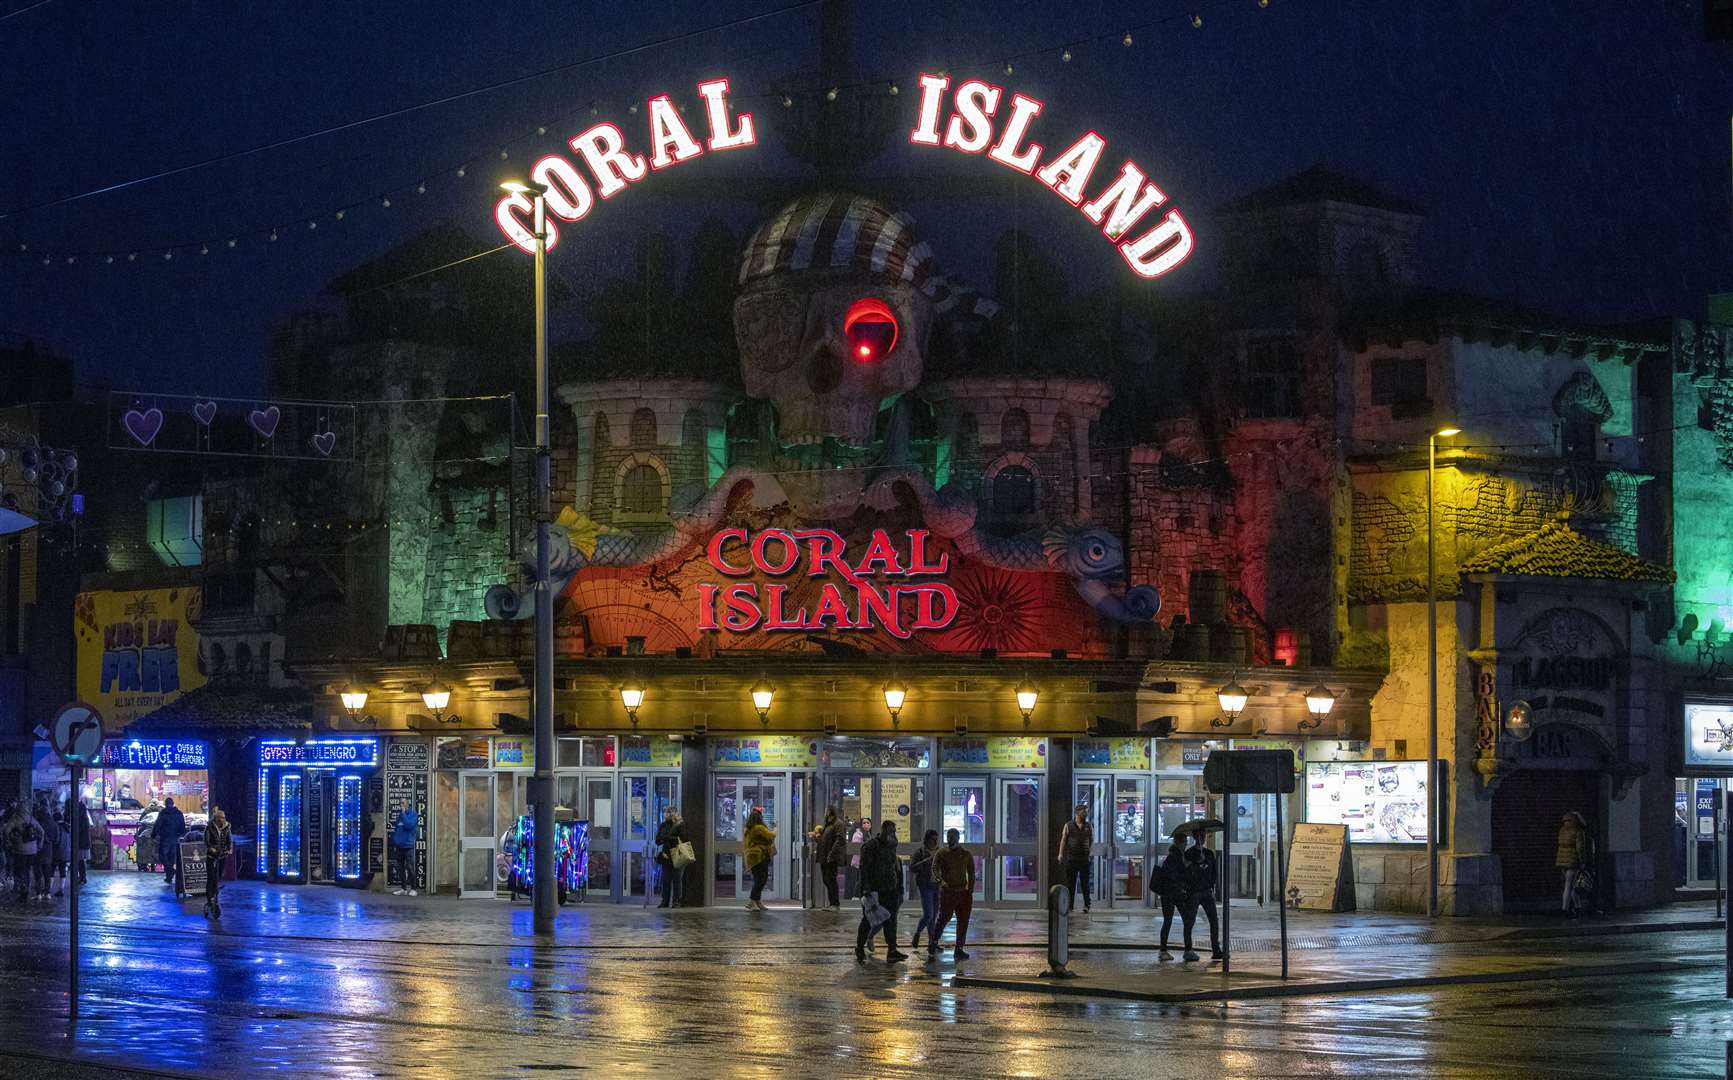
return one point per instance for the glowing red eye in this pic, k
(871, 329)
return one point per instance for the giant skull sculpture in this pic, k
(833, 315)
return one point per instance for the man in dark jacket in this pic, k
(830, 847)
(170, 826)
(881, 878)
(1201, 871)
(1076, 840)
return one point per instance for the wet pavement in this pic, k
(320, 981)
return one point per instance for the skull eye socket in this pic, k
(870, 329)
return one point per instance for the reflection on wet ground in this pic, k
(722, 993)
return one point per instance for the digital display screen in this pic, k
(1381, 802)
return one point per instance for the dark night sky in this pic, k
(1572, 156)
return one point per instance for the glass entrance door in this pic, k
(964, 808)
(649, 796)
(478, 839)
(1094, 793)
(732, 800)
(1017, 843)
(1118, 807)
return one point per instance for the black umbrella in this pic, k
(1199, 825)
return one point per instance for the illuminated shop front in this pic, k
(1699, 825)
(130, 785)
(315, 798)
(618, 786)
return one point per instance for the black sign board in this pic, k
(1250, 772)
(405, 789)
(195, 869)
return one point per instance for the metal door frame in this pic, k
(719, 845)
(645, 848)
(1000, 850)
(466, 842)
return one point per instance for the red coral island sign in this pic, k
(856, 601)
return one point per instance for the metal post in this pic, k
(78, 866)
(1058, 934)
(1431, 686)
(546, 885)
(1724, 871)
(1227, 876)
(1715, 802)
(1281, 885)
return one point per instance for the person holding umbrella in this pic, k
(1197, 886)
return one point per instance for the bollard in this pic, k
(1058, 934)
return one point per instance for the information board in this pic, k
(406, 764)
(1381, 802)
(195, 871)
(1320, 868)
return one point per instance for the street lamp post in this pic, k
(1432, 788)
(544, 894)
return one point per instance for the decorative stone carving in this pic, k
(1581, 398)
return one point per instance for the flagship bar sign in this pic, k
(974, 118)
(880, 586)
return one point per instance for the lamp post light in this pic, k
(895, 694)
(1319, 702)
(631, 697)
(762, 695)
(354, 698)
(1232, 700)
(1432, 794)
(1027, 696)
(436, 697)
(543, 890)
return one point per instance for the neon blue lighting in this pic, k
(349, 827)
(289, 825)
(262, 857)
(155, 754)
(281, 752)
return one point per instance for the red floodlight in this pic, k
(871, 329)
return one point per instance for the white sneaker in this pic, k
(412, 892)
(397, 892)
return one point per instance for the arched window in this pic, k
(641, 490)
(243, 658)
(643, 429)
(1014, 491)
(1014, 429)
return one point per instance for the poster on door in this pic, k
(514, 752)
(1130, 753)
(653, 753)
(406, 789)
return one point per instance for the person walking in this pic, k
(863, 831)
(927, 888)
(62, 852)
(670, 835)
(170, 826)
(23, 842)
(1170, 888)
(1200, 884)
(829, 848)
(219, 841)
(954, 870)
(760, 846)
(43, 872)
(1076, 840)
(881, 880)
(403, 836)
(1572, 858)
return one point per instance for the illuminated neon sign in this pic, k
(872, 589)
(318, 752)
(154, 754)
(1118, 208)
(613, 167)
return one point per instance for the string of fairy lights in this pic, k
(322, 222)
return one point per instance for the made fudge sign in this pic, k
(975, 117)
(882, 585)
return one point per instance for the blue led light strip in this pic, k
(262, 832)
(289, 826)
(349, 827)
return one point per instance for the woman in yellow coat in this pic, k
(760, 845)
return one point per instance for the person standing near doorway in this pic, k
(170, 826)
(760, 847)
(1572, 858)
(44, 872)
(1075, 841)
(219, 841)
(921, 867)
(670, 835)
(954, 869)
(403, 837)
(863, 831)
(829, 847)
(1200, 885)
(881, 883)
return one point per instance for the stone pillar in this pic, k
(695, 809)
(1061, 800)
(1084, 505)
